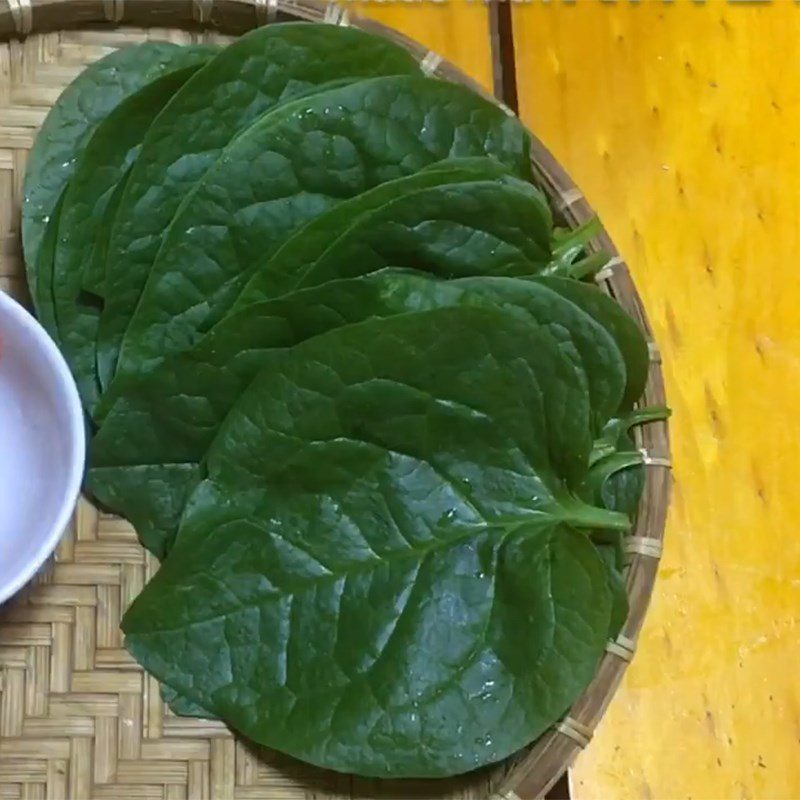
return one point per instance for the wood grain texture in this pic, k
(458, 30)
(680, 122)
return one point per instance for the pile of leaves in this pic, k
(348, 382)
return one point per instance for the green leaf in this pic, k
(620, 325)
(447, 230)
(442, 228)
(68, 126)
(152, 497)
(104, 162)
(310, 242)
(94, 273)
(613, 557)
(347, 386)
(180, 705)
(408, 484)
(172, 414)
(290, 166)
(256, 73)
(45, 308)
(622, 490)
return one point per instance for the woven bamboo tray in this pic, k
(78, 718)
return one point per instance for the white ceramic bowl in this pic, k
(42, 446)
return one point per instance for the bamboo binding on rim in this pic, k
(78, 719)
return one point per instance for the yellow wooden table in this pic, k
(681, 123)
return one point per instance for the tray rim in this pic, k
(532, 772)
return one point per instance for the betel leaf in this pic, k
(105, 160)
(93, 277)
(290, 166)
(150, 496)
(445, 698)
(580, 328)
(45, 309)
(98, 89)
(176, 408)
(391, 502)
(310, 242)
(447, 230)
(624, 483)
(616, 479)
(622, 327)
(613, 557)
(262, 69)
(442, 229)
(409, 484)
(171, 415)
(181, 706)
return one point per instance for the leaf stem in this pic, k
(571, 239)
(641, 416)
(582, 515)
(587, 267)
(609, 440)
(607, 466)
(568, 246)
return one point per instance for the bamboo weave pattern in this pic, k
(78, 719)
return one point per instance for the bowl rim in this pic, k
(68, 394)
